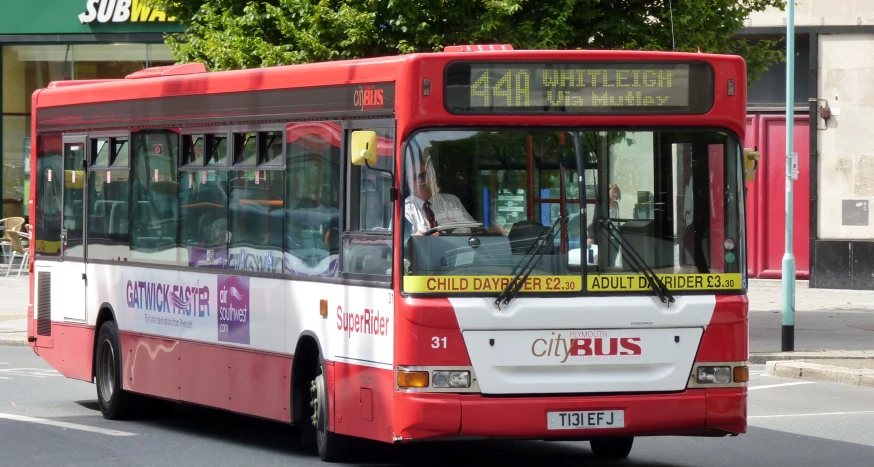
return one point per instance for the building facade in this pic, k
(833, 232)
(54, 40)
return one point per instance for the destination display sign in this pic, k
(578, 88)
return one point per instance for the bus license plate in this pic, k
(580, 420)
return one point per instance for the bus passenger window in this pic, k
(256, 220)
(203, 218)
(312, 199)
(154, 189)
(108, 200)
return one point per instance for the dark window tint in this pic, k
(108, 216)
(193, 147)
(217, 149)
(154, 188)
(49, 175)
(245, 148)
(121, 152)
(203, 218)
(312, 198)
(271, 147)
(256, 220)
(101, 152)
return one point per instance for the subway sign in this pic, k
(121, 11)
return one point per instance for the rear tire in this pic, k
(115, 403)
(330, 445)
(612, 448)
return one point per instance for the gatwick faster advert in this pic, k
(217, 311)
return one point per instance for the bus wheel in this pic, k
(612, 448)
(328, 443)
(115, 403)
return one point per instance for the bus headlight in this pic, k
(714, 374)
(450, 379)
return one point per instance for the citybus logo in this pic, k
(121, 11)
(368, 97)
(586, 344)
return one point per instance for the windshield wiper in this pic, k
(639, 264)
(512, 290)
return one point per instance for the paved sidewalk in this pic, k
(767, 295)
(13, 310)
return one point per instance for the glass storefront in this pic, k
(27, 68)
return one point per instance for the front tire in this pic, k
(612, 448)
(115, 403)
(330, 445)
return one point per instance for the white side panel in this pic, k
(359, 328)
(68, 292)
(247, 312)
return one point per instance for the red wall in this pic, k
(766, 198)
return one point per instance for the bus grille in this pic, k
(44, 307)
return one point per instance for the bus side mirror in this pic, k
(363, 147)
(751, 162)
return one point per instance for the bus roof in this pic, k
(188, 79)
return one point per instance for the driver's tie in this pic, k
(432, 221)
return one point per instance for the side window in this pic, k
(73, 227)
(49, 174)
(203, 201)
(155, 215)
(256, 184)
(109, 199)
(367, 242)
(312, 198)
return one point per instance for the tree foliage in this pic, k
(233, 34)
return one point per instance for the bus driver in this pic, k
(426, 207)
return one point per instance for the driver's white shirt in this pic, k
(447, 210)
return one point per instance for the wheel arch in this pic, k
(306, 360)
(106, 313)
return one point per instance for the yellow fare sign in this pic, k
(546, 284)
(638, 282)
(489, 284)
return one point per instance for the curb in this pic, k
(13, 342)
(759, 358)
(818, 372)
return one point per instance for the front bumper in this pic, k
(693, 412)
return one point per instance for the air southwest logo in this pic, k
(589, 345)
(368, 97)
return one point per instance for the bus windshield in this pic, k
(476, 203)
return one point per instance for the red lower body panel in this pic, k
(363, 399)
(691, 412)
(69, 350)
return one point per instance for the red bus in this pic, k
(482, 242)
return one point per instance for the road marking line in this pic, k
(4, 377)
(71, 426)
(3, 363)
(811, 414)
(780, 385)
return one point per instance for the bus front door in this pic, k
(68, 291)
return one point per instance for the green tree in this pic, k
(233, 34)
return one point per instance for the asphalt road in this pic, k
(46, 419)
